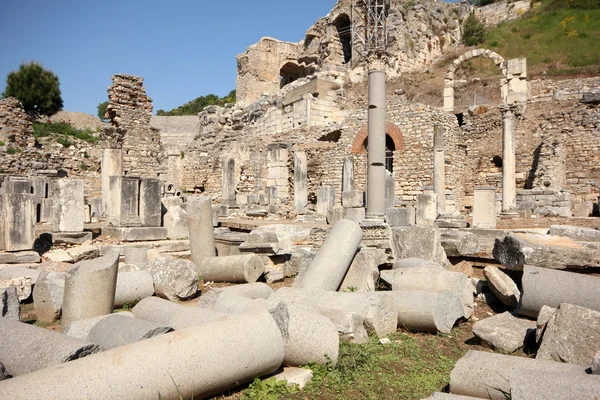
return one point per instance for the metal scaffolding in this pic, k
(369, 27)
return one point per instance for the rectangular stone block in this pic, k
(17, 220)
(400, 216)
(67, 205)
(356, 214)
(325, 199)
(150, 202)
(484, 208)
(70, 237)
(426, 211)
(353, 198)
(133, 234)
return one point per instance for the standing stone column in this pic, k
(228, 180)
(348, 174)
(376, 143)
(509, 190)
(67, 205)
(112, 159)
(201, 233)
(390, 189)
(300, 182)
(439, 171)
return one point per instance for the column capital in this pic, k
(112, 137)
(515, 110)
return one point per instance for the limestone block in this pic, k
(426, 211)
(428, 279)
(71, 237)
(328, 268)
(363, 273)
(90, 288)
(518, 249)
(201, 233)
(546, 313)
(133, 286)
(503, 287)
(20, 278)
(413, 262)
(83, 253)
(117, 330)
(308, 337)
(10, 306)
(353, 198)
(576, 233)
(459, 243)
(486, 375)
(325, 199)
(67, 205)
(196, 354)
(294, 376)
(176, 223)
(542, 286)
(420, 241)
(484, 207)
(135, 234)
(244, 268)
(17, 222)
(335, 214)
(48, 298)
(51, 348)
(572, 335)
(504, 332)
(400, 216)
(173, 278)
(58, 256)
(355, 214)
(465, 267)
(19, 257)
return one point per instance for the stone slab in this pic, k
(19, 257)
(70, 237)
(504, 332)
(133, 234)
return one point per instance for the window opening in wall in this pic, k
(344, 31)
(497, 160)
(390, 147)
(291, 72)
(331, 136)
(460, 119)
(38, 213)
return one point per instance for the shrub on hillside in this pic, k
(42, 129)
(473, 31)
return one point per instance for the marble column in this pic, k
(228, 180)
(376, 143)
(439, 171)
(348, 174)
(300, 182)
(112, 159)
(509, 189)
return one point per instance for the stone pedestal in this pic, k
(201, 233)
(484, 207)
(17, 220)
(325, 199)
(112, 165)
(348, 174)
(390, 189)
(134, 202)
(67, 205)
(439, 170)
(228, 180)
(426, 211)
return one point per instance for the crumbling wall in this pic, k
(16, 127)
(130, 109)
(492, 14)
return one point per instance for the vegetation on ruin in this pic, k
(559, 35)
(36, 88)
(473, 31)
(102, 108)
(195, 106)
(63, 131)
(411, 366)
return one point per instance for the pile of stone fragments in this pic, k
(227, 336)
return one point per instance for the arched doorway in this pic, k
(344, 30)
(291, 71)
(393, 141)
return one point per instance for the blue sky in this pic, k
(183, 49)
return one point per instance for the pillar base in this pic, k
(509, 214)
(371, 219)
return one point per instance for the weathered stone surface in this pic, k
(67, 205)
(546, 313)
(334, 214)
(70, 237)
(486, 375)
(576, 233)
(83, 253)
(542, 286)
(137, 256)
(413, 262)
(309, 337)
(201, 233)
(10, 306)
(380, 312)
(48, 298)
(255, 290)
(526, 384)
(426, 211)
(459, 243)
(231, 303)
(90, 288)
(363, 273)
(26, 348)
(400, 216)
(19, 257)
(294, 376)
(519, 249)
(173, 278)
(503, 287)
(133, 286)
(58, 256)
(583, 210)
(203, 353)
(244, 268)
(118, 330)
(168, 313)
(5, 375)
(504, 332)
(422, 241)
(176, 222)
(428, 279)
(466, 267)
(595, 367)
(572, 335)
(327, 270)
(82, 328)
(135, 234)
(448, 396)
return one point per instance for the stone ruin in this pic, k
(276, 192)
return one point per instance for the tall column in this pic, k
(376, 143)
(439, 171)
(112, 159)
(300, 182)
(509, 189)
(228, 180)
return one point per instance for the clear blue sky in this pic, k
(183, 49)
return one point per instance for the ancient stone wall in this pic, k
(130, 109)
(16, 128)
(561, 89)
(493, 14)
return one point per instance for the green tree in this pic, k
(36, 88)
(473, 31)
(102, 108)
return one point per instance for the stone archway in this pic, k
(391, 130)
(291, 71)
(449, 79)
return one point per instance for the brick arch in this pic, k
(390, 129)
